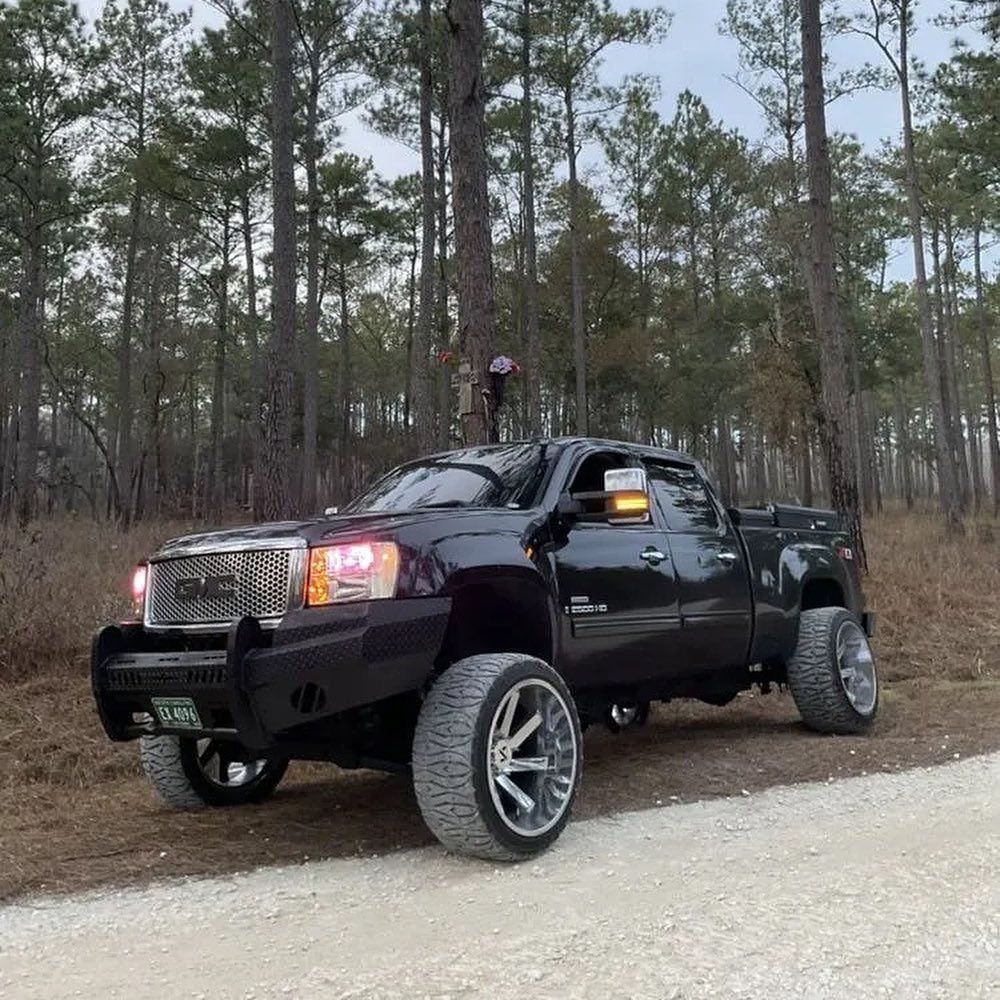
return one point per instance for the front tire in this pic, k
(189, 773)
(497, 756)
(832, 674)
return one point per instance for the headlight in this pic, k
(139, 579)
(364, 571)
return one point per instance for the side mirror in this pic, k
(624, 499)
(330, 511)
(627, 493)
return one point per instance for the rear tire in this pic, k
(832, 675)
(178, 768)
(497, 756)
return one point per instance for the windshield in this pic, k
(476, 477)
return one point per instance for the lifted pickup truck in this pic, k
(467, 617)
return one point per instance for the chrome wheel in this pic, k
(532, 757)
(857, 668)
(218, 764)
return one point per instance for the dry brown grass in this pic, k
(937, 598)
(60, 580)
(74, 812)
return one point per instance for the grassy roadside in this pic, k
(74, 812)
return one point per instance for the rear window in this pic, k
(682, 497)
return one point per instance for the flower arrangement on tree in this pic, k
(497, 372)
(500, 367)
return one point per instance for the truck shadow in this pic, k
(116, 832)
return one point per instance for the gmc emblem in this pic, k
(195, 587)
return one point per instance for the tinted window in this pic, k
(682, 497)
(476, 477)
(590, 475)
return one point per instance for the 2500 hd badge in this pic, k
(465, 619)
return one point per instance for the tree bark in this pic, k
(420, 371)
(123, 433)
(531, 321)
(947, 475)
(982, 329)
(215, 491)
(861, 445)
(29, 397)
(273, 468)
(576, 271)
(253, 329)
(835, 427)
(310, 325)
(805, 456)
(470, 199)
(344, 427)
(441, 292)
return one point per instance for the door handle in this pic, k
(726, 557)
(653, 556)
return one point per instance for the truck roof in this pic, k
(570, 441)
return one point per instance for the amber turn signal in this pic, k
(630, 504)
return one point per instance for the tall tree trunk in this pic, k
(830, 332)
(29, 397)
(947, 475)
(947, 337)
(310, 326)
(861, 446)
(11, 431)
(344, 424)
(253, 328)
(215, 493)
(274, 463)
(805, 456)
(531, 320)
(470, 198)
(411, 327)
(420, 372)
(441, 293)
(576, 271)
(982, 328)
(123, 433)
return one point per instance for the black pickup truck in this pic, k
(467, 617)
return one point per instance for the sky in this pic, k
(696, 57)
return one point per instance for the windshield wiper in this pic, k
(443, 503)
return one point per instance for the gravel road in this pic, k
(884, 886)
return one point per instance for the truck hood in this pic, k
(280, 534)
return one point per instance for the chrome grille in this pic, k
(186, 591)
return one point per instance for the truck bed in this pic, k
(787, 516)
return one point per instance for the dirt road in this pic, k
(880, 886)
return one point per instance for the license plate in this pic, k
(178, 713)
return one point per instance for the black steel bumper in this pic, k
(258, 686)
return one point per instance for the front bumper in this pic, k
(262, 687)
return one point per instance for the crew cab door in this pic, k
(711, 569)
(618, 598)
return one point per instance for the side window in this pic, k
(683, 498)
(589, 477)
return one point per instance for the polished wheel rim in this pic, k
(532, 757)
(218, 764)
(857, 668)
(624, 715)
